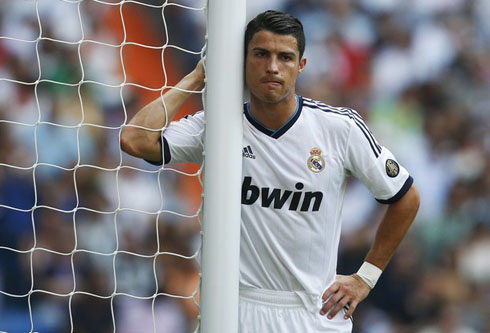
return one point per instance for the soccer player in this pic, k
(297, 155)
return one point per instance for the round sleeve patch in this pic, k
(392, 168)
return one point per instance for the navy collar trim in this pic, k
(281, 130)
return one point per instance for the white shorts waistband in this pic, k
(271, 297)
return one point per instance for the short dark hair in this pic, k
(279, 23)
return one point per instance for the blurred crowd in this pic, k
(95, 240)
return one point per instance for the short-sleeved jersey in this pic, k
(292, 189)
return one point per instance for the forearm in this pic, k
(141, 137)
(393, 228)
(159, 112)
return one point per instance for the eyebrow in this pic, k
(260, 49)
(283, 53)
(291, 54)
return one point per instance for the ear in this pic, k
(302, 64)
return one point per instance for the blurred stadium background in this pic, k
(418, 71)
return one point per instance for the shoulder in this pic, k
(189, 124)
(193, 119)
(196, 115)
(339, 115)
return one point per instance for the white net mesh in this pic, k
(91, 239)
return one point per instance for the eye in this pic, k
(260, 54)
(286, 57)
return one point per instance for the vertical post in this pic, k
(223, 166)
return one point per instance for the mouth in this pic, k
(270, 82)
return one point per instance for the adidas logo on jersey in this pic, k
(247, 152)
(277, 197)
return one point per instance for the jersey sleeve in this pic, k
(375, 165)
(183, 140)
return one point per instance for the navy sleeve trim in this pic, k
(166, 152)
(400, 194)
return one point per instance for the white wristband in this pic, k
(369, 273)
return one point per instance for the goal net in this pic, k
(91, 239)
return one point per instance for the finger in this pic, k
(352, 307)
(331, 302)
(340, 305)
(330, 291)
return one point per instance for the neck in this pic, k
(273, 115)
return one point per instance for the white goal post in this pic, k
(223, 166)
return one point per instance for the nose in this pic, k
(272, 65)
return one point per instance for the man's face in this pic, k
(272, 66)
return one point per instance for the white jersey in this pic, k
(292, 190)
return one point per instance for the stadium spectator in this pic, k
(446, 147)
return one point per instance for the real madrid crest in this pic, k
(316, 163)
(392, 168)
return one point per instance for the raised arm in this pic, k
(352, 289)
(144, 143)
